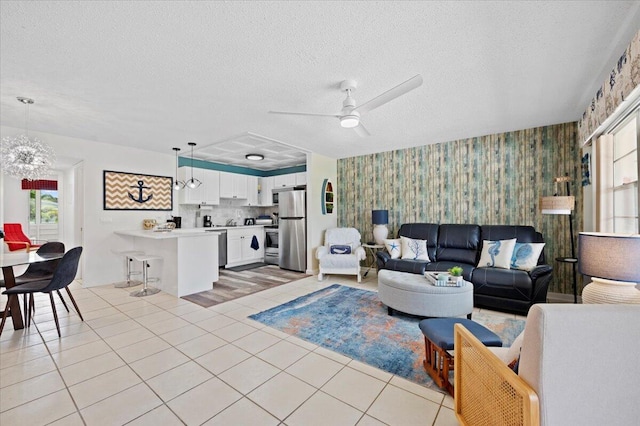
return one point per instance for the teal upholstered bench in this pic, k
(438, 340)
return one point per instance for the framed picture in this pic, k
(134, 191)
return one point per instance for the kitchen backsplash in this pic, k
(223, 212)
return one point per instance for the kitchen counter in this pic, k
(189, 257)
(182, 232)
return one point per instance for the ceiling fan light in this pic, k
(254, 157)
(349, 121)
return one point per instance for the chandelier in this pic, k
(25, 157)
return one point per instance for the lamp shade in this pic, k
(557, 205)
(610, 256)
(379, 217)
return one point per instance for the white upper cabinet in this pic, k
(217, 185)
(233, 185)
(207, 193)
(188, 195)
(301, 178)
(252, 191)
(211, 183)
(281, 181)
(266, 191)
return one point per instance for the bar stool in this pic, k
(128, 258)
(146, 290)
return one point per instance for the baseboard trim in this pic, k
(561, 298)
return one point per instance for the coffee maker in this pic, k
(206, 221)
(177, 220)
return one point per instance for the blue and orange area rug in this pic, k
(355, 323)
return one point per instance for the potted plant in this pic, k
(456, 274)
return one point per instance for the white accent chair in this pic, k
(345, 264)
(578, 366)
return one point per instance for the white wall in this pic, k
(100, 265)
(319, 168)
(15, 203)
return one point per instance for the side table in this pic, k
(372, 249)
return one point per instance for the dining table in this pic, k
(7, 262)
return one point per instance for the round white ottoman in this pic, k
(412, 294)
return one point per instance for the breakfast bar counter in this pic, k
(189, 258)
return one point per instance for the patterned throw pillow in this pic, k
(525, 256)
(393, 247)
(340, 249)
(497, 254)
(414, 249)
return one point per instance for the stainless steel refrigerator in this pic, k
(292, 236)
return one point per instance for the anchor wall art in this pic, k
(131, 191)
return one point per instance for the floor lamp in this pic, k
(563, 205)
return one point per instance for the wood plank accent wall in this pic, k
(488, 180)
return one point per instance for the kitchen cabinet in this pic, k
(290, 179)
(266, 191)
(252, 191)
(207, 193)
(301, 178)
(281, 181)
(233, 185)
(211, 184)
(239, 250)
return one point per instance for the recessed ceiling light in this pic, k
(254, 157)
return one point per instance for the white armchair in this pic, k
(334, 263)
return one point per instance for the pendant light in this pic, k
(25, 157)
(178, 184)
(192, 183)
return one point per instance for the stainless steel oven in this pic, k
(271, 249)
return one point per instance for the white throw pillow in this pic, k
(497, 254)
(414, 249)
(393, 247)
(525, 256)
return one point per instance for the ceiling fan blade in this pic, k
(304, 113)
(391, 94)
(361, 131)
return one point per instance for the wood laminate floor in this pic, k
(232, 285)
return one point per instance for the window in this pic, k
(43, 207)
(625, 175)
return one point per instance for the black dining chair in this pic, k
(41, 270)
(62, 277)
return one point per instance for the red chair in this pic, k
(17, 240)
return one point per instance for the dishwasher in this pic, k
(222, 246)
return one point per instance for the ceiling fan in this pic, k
(350, 114)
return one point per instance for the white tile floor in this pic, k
(163, 360)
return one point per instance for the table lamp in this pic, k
(380, 218)
(613, 262)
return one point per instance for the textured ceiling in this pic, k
(158, 74)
